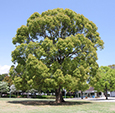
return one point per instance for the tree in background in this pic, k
(112, 66)
(104, 80)
(8, 80)
(33, 92)
(2, 76)
(3, 88)
(56, 49)
(13, 88)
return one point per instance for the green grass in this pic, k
(24, 105)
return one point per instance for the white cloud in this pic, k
(4, 69)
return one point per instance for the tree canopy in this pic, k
(104, 80)
(56, 49)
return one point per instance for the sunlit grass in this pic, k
(24, 105)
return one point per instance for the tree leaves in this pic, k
(105, 79)
(55, 49)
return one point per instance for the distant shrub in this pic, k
(68, 96)
(12, 96)
(45, 96)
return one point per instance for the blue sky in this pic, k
(14, 13)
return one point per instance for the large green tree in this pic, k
(56, 49)
(104, 80)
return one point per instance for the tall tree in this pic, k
(55, 49)
(104, 80)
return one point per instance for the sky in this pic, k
(14, 13)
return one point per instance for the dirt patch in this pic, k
(112, 108)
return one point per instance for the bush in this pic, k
(68, 96)
(45, 96)
(12, 96)
(23, 96)
(41, 96)
(32, 96)
(51, 97)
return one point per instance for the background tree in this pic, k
(33, 92)
(3, 88)
(2, 76)
(104, 80)
(13, 88)
(53, 49)
(82, 74)
(112, 66)
(8, 80)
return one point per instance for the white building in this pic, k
(112, 94)
(91, 93)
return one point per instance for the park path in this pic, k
(101, 99)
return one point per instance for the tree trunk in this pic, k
(0, 94)
(27, 95)
(34, 95)
(81, 94)
(106, 95)
(97, 94)
(59, 97)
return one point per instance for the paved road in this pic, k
(101, 99)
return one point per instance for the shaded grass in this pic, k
(50, 102)
(19, 105)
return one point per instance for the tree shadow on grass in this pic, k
(39, 102)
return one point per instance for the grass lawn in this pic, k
(24, 105)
